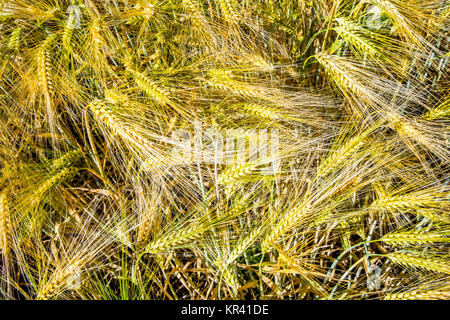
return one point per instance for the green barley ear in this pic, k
(261, 111)
(67, 159)
(54, 180)
(224, 80)
(195, 13)
(244, 243)
(152, 89)
(354, 34)
(144, 230)
(142, 13)
(236, 172)
(442, 111)
(291, 219)
(404, 128)
(227, 7)
(114, 96)
(66, 38)
(425, 203)
(432, 214)
(335, 159)
(343, 75)
(185, 233)
(228, 274)
(14, 40)
(97, 38)
(178, 238)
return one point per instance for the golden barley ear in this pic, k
(430, 263)
(5, 226)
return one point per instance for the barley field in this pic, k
(224, 149)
